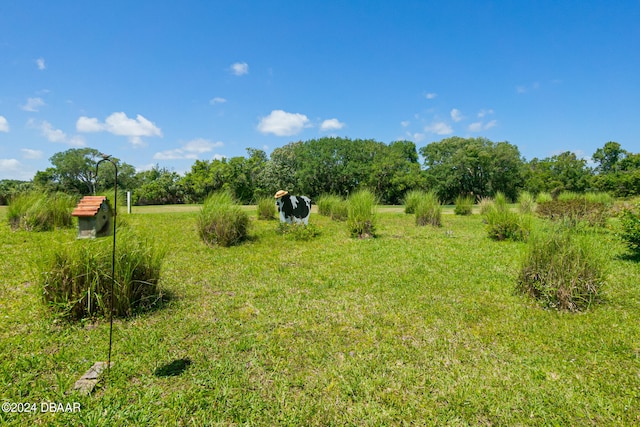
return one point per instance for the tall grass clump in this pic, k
(361, 220)
(76, 278)
(411, 200)
(428, 210)
(464, 205)
(266, 208)
(575, 208)
(562, 270)
(526, 203)
(544, 197)
(630, 223)
(485, 204)
(335, 207)
(502, 224)
(36, 211)
(221, 222)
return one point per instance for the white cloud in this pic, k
(120, 124)
(240, 68)
(405, 123)
(86, 124)
(475, 127)
(189, 150)
(4, 124)
(456, 115)
(52, 134)
(56, 135)
(33, 104)
(491, 124)
(430, 95)
(217, 100)
(41, 64)
(31, 154)
(484, 112)
(439, 128)
(13, 169)
(480, 126)
(281, 123)
(416, 137)
(331, 124)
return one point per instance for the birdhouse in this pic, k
(94, 217)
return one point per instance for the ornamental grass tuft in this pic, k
(221, 222)
(36, 211)
(362, 217)
(428, 210)
(76, 278)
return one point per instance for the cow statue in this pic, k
(293, 209)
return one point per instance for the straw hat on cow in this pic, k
(280, 193)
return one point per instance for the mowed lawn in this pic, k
(420, 326)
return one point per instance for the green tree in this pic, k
(608, 157)
(562, 172)
(472, 166)
(159, 186)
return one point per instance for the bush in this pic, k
(266, 208)
(543, 197)
(411, 200)
(630, 223)
(502, 224)
(221, 222)
(561, 269)
(464, 205)
(526, 203)
(485, 204)
(34, 211)
(298, 231)
(76, 278)
(428, 210)
(361, 214)
(573, 211)
(332, 206)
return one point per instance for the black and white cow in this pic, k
(293, 209)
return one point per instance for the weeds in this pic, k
(266, 208)
(35, 211)
(428, 210)
(221, 222)
(76, 278)
(464, 205)
(562, 270)
(361, 214)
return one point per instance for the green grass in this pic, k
(420, 326)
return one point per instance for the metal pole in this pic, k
(113, 252)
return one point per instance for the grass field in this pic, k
(420, 326)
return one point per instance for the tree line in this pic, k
(453, 166)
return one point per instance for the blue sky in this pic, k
(168, 82)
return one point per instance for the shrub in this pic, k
(35, 211)
(484, 204)
(411, 200)
(573, 211)
(362, 219)
(464, 205)
(221, 222)
(332, 206)
(266, 208)
(630, 223)
(543, 197)
(76, 278)
(298, 231)
(561, 269)
(502, 224)
(428, 210)
(526, 203)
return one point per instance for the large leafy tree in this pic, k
(617, 170)
(472, 166)
(74, 171)
(562, 172)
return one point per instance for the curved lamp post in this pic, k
(106, 157)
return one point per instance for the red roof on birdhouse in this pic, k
(89, 206)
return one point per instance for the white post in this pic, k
(129, 202)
